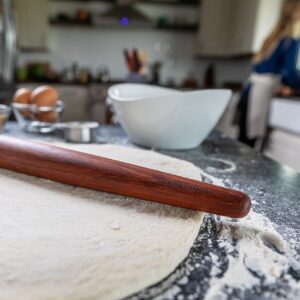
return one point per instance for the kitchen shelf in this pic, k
(183, 28)
(179, 3)
(186, 28)
(158, 2)
(70, 23)
(84, 1)
(34, 49)
(91, 25)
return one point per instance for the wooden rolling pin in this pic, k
(107, 175)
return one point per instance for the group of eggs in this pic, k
(41, 96)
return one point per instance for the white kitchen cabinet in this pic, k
(284, 147)
(76, 100)
(32, 23)
(215, 25)
(235, 27)
(97, 102)
(267, 15)
(242, 28)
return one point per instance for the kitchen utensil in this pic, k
(4, 116)
(130, 61)
(136, 61)
(103, 75)
(126, 56)
(143, 60)
(136, 65)
(79, 132)
(107, 175)
(33, 118)
(166, 118)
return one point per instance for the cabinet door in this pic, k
(97, 102)
(243, 26)
(215, 26)
(76, 100)
(253, 21)
(235, 27)
(32, 23)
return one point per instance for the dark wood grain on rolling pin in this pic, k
(107, 175)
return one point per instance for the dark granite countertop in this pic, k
(275, 192)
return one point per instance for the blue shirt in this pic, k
(284, 61)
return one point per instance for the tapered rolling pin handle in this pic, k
(107, 175)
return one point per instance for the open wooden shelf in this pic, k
(186, 28)
(166, 2)
(158, 2)
(172, 27)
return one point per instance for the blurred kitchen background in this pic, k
(81, 48)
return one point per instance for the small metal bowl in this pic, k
(79, 132)
(5, 112)
(33, 118)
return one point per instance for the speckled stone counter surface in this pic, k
(275, 192)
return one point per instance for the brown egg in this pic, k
(44, 96)
(22, 95)
(47, 116)
(2, 121)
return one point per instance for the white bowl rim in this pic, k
(115, 97)
(165, 96)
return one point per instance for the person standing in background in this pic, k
(277, 63)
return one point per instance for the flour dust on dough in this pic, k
(63, 242)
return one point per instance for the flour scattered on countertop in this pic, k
(260, 254)
(212, 179)
(221, 165)
(256, 254)
(234, 258)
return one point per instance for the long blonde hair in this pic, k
(284, 27)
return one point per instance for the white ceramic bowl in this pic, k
(165, 118)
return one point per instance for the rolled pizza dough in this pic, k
(63, 242)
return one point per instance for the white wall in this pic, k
(269, 13)
(94, 47)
